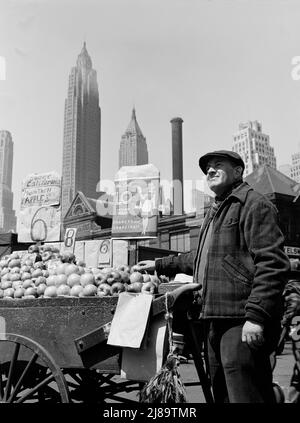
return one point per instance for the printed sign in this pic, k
(41, 189)
(292, 251)
(136, 202)
(39, 224)
(40, 212)
(104, 252)
(69, 240)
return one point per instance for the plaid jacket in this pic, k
(246, 267)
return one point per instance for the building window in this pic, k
(180, 241)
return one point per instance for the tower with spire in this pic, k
(82, 132)
(133, 148)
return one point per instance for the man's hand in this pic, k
(252, 333)
(148, 265)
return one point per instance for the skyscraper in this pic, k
(292, 170)
(82, 133)
(253, 146)
(7, 214)
(133, 148)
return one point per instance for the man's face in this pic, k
(221, 174)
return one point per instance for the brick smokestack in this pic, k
(177, 165)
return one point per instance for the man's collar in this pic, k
(241, 192)
(238, 190)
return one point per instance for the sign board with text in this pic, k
(69, 240)
(41, 189)
(135, 211)
(39, 224)
(40, 212)
(292, 251)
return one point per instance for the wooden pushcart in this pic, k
(55, 350)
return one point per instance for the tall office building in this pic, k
(295, 168)
(253, 146)
(133, 148)
(7, 214)
(82, 133)
(292, 170)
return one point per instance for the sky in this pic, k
(213, 63)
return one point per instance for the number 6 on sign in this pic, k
(69, 239)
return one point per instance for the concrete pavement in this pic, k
(282, 375)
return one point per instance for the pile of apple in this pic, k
(56, 275)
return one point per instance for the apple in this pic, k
(14, 277)
(87, 279)
(14, 263)
(149, 288)
(25, 268)
(146, 277)
(135, 287)
(40, 280)
(36, 273)
(39, 265)
(31, 290)
(105, 287)
(6, 285)
(33, 249)
(41, 289)
(47, 255)
(114, 276)
(9, 292)
(51, 280)
(17, 284)
(125, 276)
(136, 277)
(71, 269)
(27, 283)
(89, 290)
(100, 278)
(19, 292)
(73, 279)
(124, 268)
(61, 280)
(63, 289)
(117, 287)
(76, 290)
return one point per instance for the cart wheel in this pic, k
(28, 372)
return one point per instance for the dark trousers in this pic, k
(239, 374)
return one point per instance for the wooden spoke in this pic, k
(19, 383)
(36, 388)
(11, 371)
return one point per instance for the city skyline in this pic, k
(193, 65)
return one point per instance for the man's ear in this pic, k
(238, 171)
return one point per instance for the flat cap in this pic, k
(226, 154)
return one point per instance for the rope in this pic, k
(169, 319)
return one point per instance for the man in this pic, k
(242, 268)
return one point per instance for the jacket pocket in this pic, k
(235, 268)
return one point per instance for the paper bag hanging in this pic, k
(130, 320)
